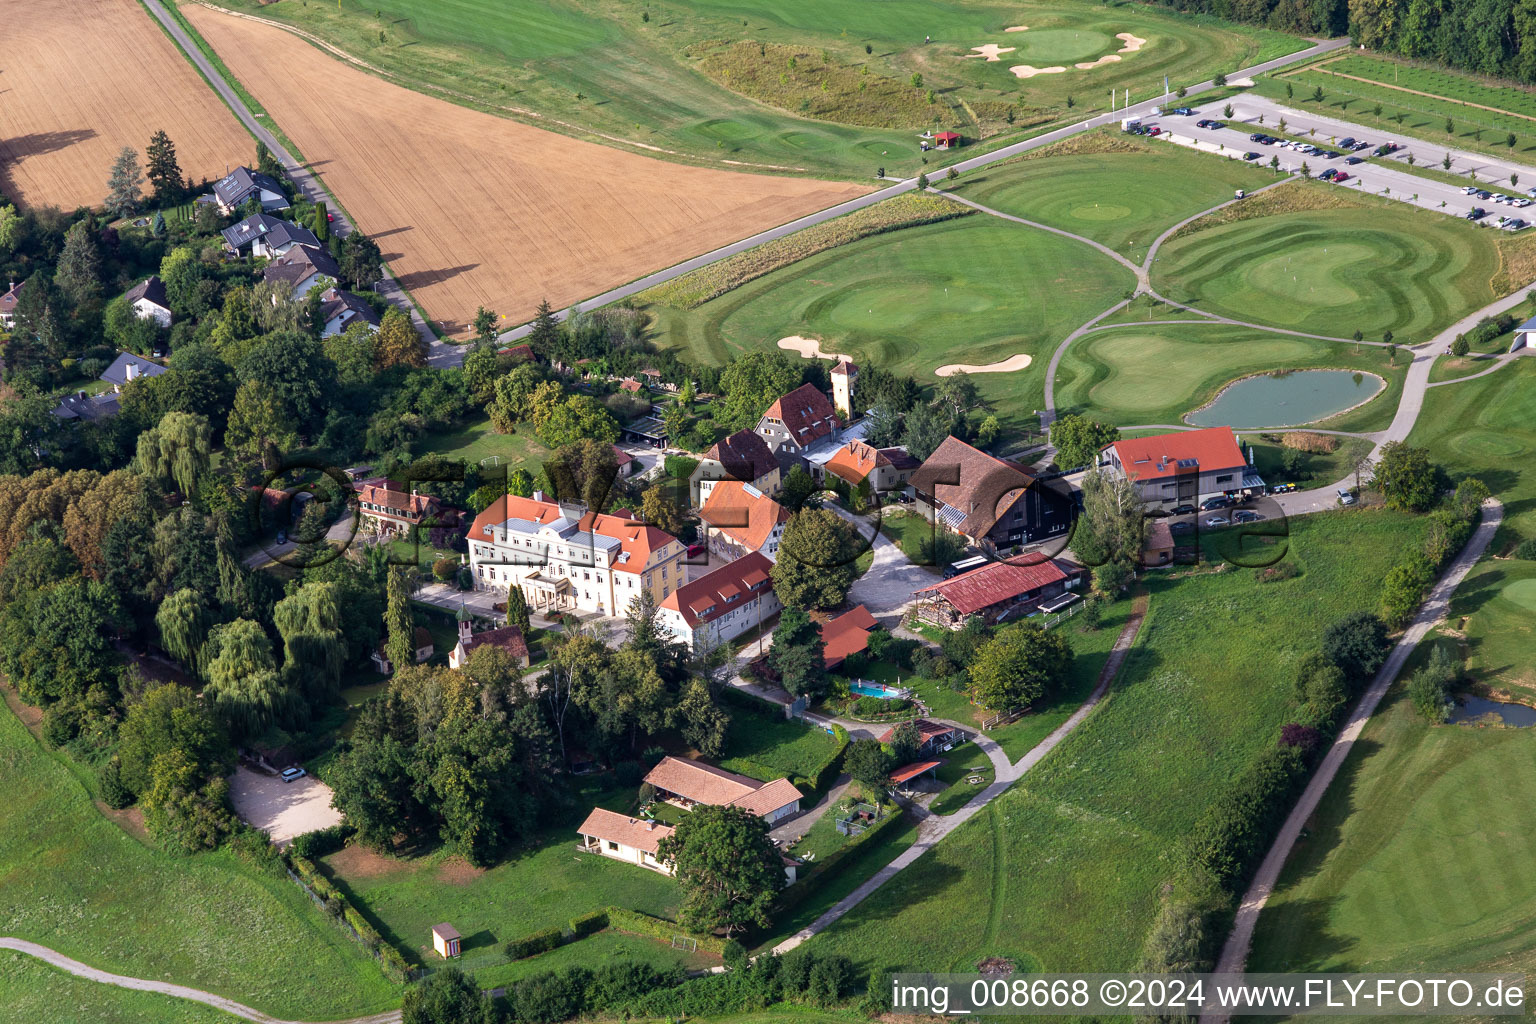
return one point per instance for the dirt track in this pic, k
(85, 78)
(473, 209)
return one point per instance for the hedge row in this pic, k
(328, 896)
(822, 776)
(533, 945)
(316, 844)
(659, 928)
(839, 860)
(582, 925)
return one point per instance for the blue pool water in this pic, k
(864, 689)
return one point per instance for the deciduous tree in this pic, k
(397, 342)
(815, 566)
(1078, 440)
(727, 866)
(1018, 666)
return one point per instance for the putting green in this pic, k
(1486, 444)
(1057, 46)
(1522, 593)
(1333, 272)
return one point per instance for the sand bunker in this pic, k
(1017, 28)
(1132, 44)
(809, 348)
(1029, 71)
(989, 51)
(1008, 365)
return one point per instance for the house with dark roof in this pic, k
(992, 503)
(82, 406)
(798, 420)
(303, 267)
(149, 302)
(423, 650)
(8, 304)
(689, 784)
(739, 519)
(722, 604)
(745, 457)
(998, 591)
(339, 310)
(129, 367)
(1183, 467)
(265, 236)
(508, 638)
(237, 188)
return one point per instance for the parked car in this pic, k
(1352, 160)
(1154, 130)
(1470, 190)
(1219, 501)
(1247, 515)
(1331, 155)
(1256, 137)
(1514, 224)
(1250, 156)
(1347, 143)
(1476, 213)
(695, 550)
(1483, 193)
(1183, 510)
(1345, 497)
(1218, 521)
(293, 774)
(1216, 124)
(1329, 174)
(1186, 111)
(1362, 144)
(1342, 176)
(1182, 526)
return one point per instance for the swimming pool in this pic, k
(865, 688)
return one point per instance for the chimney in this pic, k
(539, 496)
(132, 371)
(650, 825)
(80, 395)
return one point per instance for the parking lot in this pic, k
(281, 809)
(1365, 171)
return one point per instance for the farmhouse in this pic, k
(508, 638)
(623, 838)
(149, 302)
(991, 503)
(1182, 468)
(303, 267)
(933, 737)
(689, 784)
(8, 304)
(885, 469)
(239, 186)
(998, 591)
(424, 649)
(743, 456)
(385, 510)
(722, 604)
(739, 519)
(847, 634)
(339, 310)
(798, 420)
(128, 367)
(263, 235)
(565, 556)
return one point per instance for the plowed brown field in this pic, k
(472, 209)
(81, 79)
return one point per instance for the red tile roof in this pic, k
(524, 352)
(721, 590)
(980, 487)
(8, 300)
(946, 136)
(508, 638)
(743, 513)
(631, 832)
(637, 540)
(744, 455)
(631, 385)
(806, 413)
(913, 770)
(1208, 450)
(707, 784)
(856, 460)
(847, 634)
(380, 495)
(996, 582)
(926, 730)
(845, 368)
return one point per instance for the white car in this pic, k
(293, 774)
(1218, 521)
(1500, 197)
(1470, 190)
(1345, 497)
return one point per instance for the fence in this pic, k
(1061, 616)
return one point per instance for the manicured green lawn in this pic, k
(592, 952)
(767, 740)
(1317, 468)
(941, 700)
(961, 764)
(1106, 374)
(72, 880)
(33, 992)
(902, 299)
(478, 442)
(1414, 859)
(1493, 607)
(1085, 837)
(1372, 266)
(822, 838)
(638, 75)
(1124, 200)
(909, 530)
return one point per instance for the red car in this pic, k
(1341, 176)
(1154, 130)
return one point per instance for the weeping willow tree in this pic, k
(183, 624)
(244, 687)
(177, 450)
(314, 652)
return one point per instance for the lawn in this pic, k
(72, 880)
(1086, 835)
(902, 299)
(34, 992)
(592, 952)
(909, 530)
(687, 82)
(757, 741)
(1359, 264)
(962, 764)
(1493, 609)
(477, 443)
(1317, 468)
(1414, 858)
(1105, 374)
(1124, 195)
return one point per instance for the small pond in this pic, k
(1287, 399)
(1476, 710)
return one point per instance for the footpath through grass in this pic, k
(31, 992)
(1086, 836)
(75, 882)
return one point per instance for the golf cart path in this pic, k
(218, 1002)
(1234, 954)
(933, 828)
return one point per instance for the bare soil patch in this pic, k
(359, 862)
(471, 209)
(85, 78)
(458, 871)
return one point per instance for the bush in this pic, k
(1357, 644)
(1403, 589)
(1277, 572)
(1235, 831)
(113, 793)
(316, 844)
(550, 996)
(679, 467)
(1430, 688)
(532, 945)
(585, 924)
(1526, 550)
(445, 569)
(1303, 737)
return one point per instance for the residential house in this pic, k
(83, 406)
(8, 304)
(739, 519)
(339, 310)
(632, 386)
(508, 638)
(424, 650)
(847, 634)
(690, 784)
(149, 302)
(129, 367)
(384, 509)
(998, 591)
(626, 464)
(303, 267)
(520, 353)
(631, 840)
(722, 604)
(265, 236)
(798, 420)
(744, 456)
(884, 469)
(933, 737)
(992, 503)
(237, 188)
(566, 557)
(1183, 468)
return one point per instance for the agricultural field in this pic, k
(1395, 95)
(1104, 374)
(1331, 264)
(901, 299)
(82, 81)
(1115, 189)
(804, 86)
(245, 930)
(483, 220)
(1085, 837)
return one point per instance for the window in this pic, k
(612, 845)
(1226, 478)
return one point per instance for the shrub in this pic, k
(1357, 643)
(1526, 550)
(1429, 689)
(1277, 572)
(585, 924)
(550, 996)
(113, 792)
(532, 945)
(445, 569)
(1303, 737)
(312, 845)
(1307, 441)
(679, 467)
(1403, 589)
(1234, 832)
